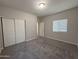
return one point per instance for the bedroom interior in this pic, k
(38, 29)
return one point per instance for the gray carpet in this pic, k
(41, 48)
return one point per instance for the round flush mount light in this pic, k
(42, 5)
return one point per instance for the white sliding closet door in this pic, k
(42, 29)
(20, 30)
(9, 33)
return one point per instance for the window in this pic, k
(60, 25)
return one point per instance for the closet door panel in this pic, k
(1, 41)
(9, 33)
(20, 30)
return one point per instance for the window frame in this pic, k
(66, 30)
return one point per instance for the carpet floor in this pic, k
(41, 48)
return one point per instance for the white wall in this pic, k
(31, 20)
(13, 13)
(71, 35)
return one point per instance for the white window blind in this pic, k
(60, 25)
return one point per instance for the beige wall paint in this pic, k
(14, 13)
(71, 35)
(31, 20)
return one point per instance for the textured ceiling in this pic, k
(53, 6)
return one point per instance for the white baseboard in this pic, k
(63, 41)
(31, 39)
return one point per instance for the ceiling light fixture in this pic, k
(42, 5)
